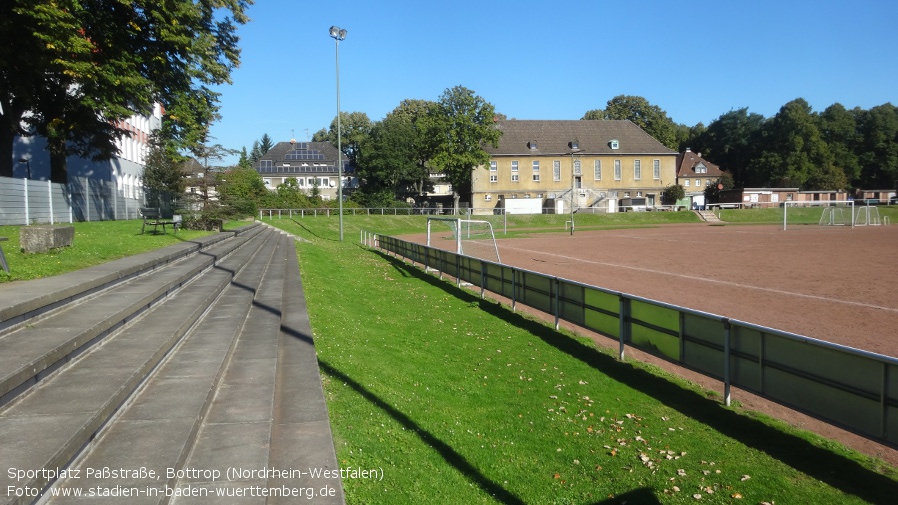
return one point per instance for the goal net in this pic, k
(818, 213)
(470, 237)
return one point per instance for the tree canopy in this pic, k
(71, 69)
(464, 123)
(651, 118)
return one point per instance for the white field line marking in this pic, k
(713, 281)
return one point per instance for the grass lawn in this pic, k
(458, 400)
(95, 242)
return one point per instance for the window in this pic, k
(698, 183)
(656, 169)
(494, 172)
(536, 171)
(556, 170)
(487, 197)
(577, 170)
(300, 181)
(515, 177)
(685, 183)
(614, 144)
(266, 165)
(637, 169)
(616, 170)
(597, 170)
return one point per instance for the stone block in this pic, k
(42, 238)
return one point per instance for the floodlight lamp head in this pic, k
(337, 33)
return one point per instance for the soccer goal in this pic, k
(820, 213)
(470, 237)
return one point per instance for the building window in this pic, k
(266, 165)
(656, 169)
(536, 171)
(597, 170)
(514, 172)
(494, 172)
(637, 169)
(556, 170)
(698, 183)
(686, 183)
(616, 170)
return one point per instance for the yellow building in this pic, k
(596, 166)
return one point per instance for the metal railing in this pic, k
(851, 388)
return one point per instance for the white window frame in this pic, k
(617, 170)
(656, 169)
(556, 170)
(597, 170)
(494, 171)
(637, 170)
(535, 170)
(515, 173)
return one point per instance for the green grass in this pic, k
(95, 243)
(458, 400)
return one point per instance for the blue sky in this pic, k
(555, 60)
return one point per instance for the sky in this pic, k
(695, 59)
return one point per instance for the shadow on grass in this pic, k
(826, 466)
(446, 451)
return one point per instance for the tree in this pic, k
(839, 129)
(651, 118)
(464, 123)
(354, 128)
(394, 158)
(240, 189)
(78, 67)
(265, 143)
(878, 150)
(712, 191)
(207, 155)
(672, 194)
(162, 176)
(730, 142)
(794, 153)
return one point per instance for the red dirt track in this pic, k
(831, 283)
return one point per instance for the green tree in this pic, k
(794, 153)
(712, 191)
(354, 128)
(730, 142)
(162, 175)
(265, 143)
(878, 151)
(241, 190)
(672, 194)
(651, 118)
(78, 67)
(839, 129)
(394, 157)
(464, 123)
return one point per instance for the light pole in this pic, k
(575, 148)
(27, 163)
(339, 34)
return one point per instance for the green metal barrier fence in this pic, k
(854, 389)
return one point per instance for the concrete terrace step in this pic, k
(30, 351)
(48, 425)
(219, 374)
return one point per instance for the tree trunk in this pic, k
(6, 151)
(58, 168)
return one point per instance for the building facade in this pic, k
(584, 165)
(312, 164)
(695, 174)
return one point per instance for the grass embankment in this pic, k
(95, 243)
(459, 400)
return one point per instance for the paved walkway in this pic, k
(185, 375)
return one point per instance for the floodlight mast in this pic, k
(339, 34)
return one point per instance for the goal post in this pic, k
(819, 212)
(471, 237)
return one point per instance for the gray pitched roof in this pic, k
(594, 137)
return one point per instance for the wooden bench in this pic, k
(3, 263)
(152, 217)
